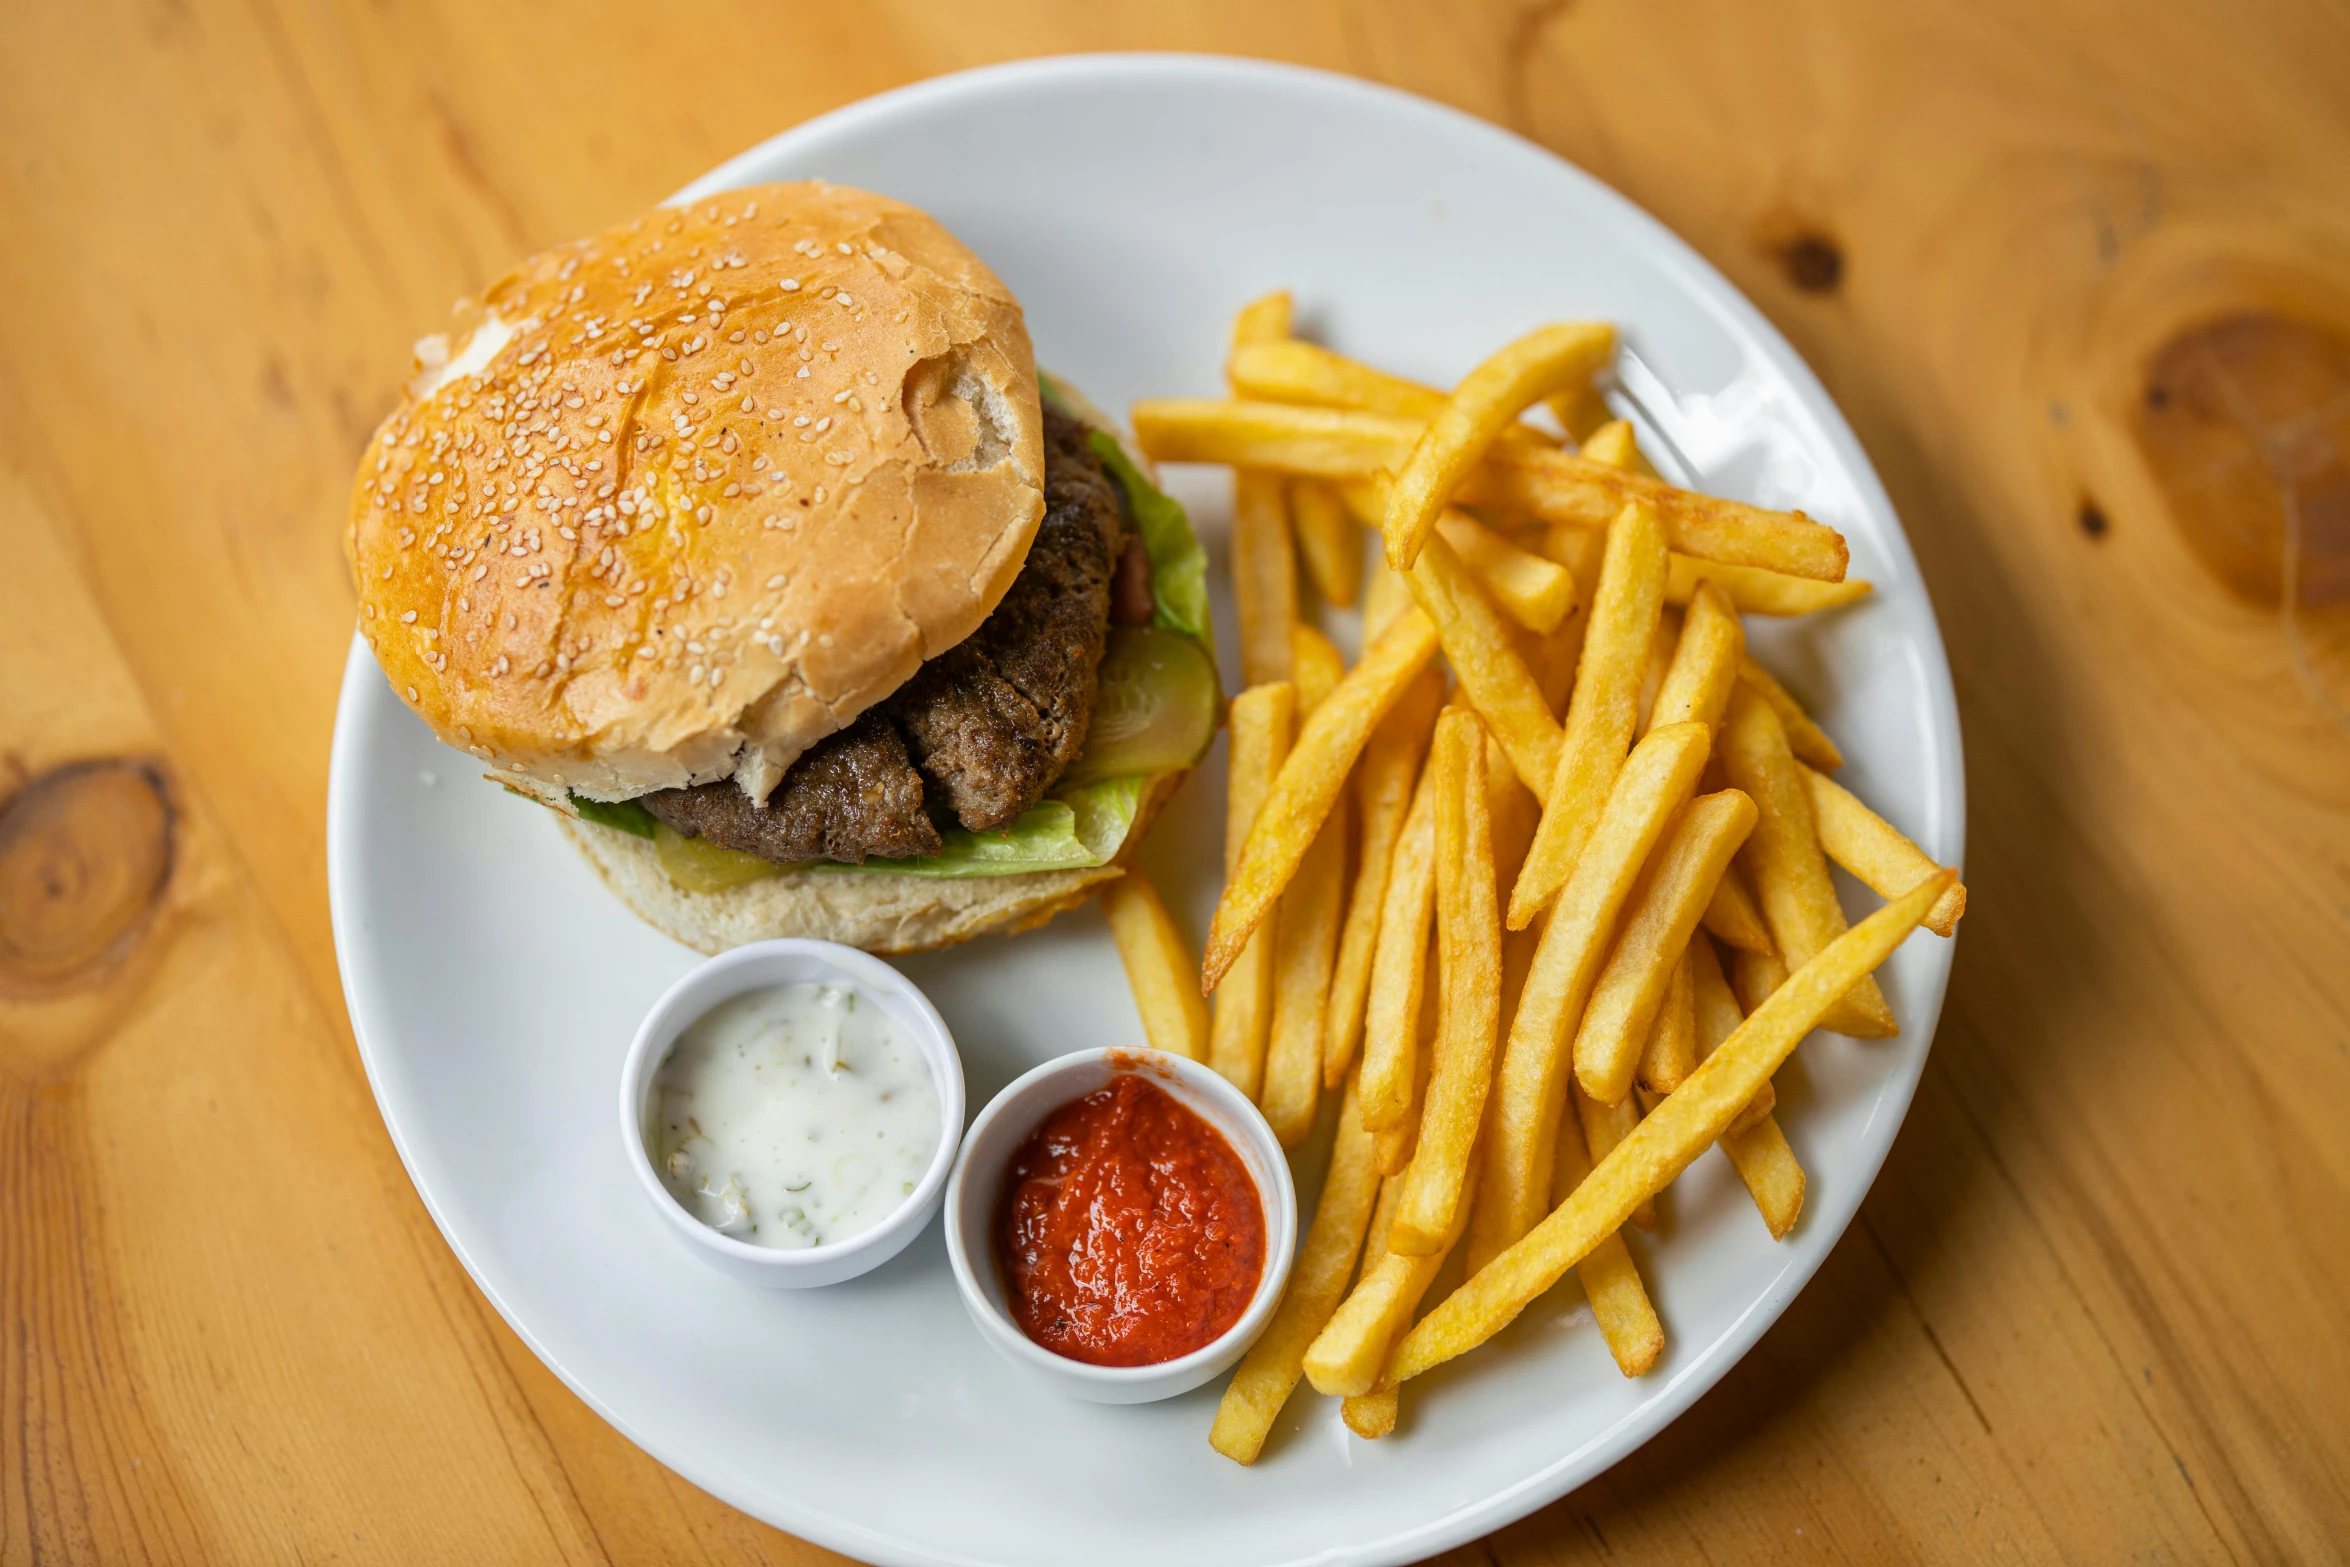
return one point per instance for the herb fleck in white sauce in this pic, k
(793, 1116)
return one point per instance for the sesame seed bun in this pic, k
(671, 504)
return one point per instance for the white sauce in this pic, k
(793, 1116)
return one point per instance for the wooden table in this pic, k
(2080, 276)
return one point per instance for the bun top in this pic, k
(676, 502)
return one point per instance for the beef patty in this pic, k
(980, 732)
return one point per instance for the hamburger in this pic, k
(748, 539)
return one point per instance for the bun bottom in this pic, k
(875, 911)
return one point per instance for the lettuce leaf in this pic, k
(1081, 827)
(1179, 566)
(626, 815)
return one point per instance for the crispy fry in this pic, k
(1805, 738)
(1705, 663)
(1531, 1085)
(1327, 541)
(1385, 595)
(1308, 785)
(1304, 946)
(1399, 964)
(1346, 1360)
(1611, 1282)
(1316, 667)
(1468, 933)
(1265, 320)
(1734, 916)
(1264, 574)
(1317, 1282)
(1390, 766)
(1670, 1053)
(1604, 1126)
(1295, 372)
(1756, 977)
(1397, 1143)
(1684, 1125)
(1798, 900)
(1486, 659)
(1602, 712)
(1488, 400)
(1371, 1415)
(1261, 720)
(1613, 443)
(1580, 410)
(1558, 487)
(1718, 1017)
(1661, 646)
(1655, 932)
(1158, 966)
(1753, 590)
(1874, 850)
(1534, 592)
(1773, 1175)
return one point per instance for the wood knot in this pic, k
(2244, 422)
(85, 854)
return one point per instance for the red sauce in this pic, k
(1130, 1232)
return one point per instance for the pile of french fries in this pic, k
(1547, 927)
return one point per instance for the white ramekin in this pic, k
(793, 962)
(976, 1191)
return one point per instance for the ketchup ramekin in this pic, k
(975, 1191)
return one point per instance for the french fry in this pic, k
(1385, 776)
(1316, 666)
(1158, 967)
(1531, 1085)
(1311, 776)
(1399, 965)
(1385, 595)
(1798, 900)
(1614, 444)
(1773, 1175)
(1718, 1017)
(1580, 410)
(1488, 400)
(1602, 712)
(1755, 591)
(1697, 683)
(1557, 486)
(1304, 947)
(1317, 1283)
(1535, 592)
(1396, 1144)
(1468, 933)
(1264, 320)
(1683, 1126)
(1486, 660)
(1295, 372)
(1347, 1359)
(1371, 1415)
(1264, 574)
(1261, 720)
(1655, 931)
(1805, 738)
(1661, 646)
(1611, 1281)
(1734, 916)
(1604, 1126)
(1327, 541)
(1874, 850)
(1670, 1053)
(1756, 977)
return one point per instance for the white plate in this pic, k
(1132, 202)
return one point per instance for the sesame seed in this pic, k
(790, 285)
(408, 619)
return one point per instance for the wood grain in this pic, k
(2079, 275)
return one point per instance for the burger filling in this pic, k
(983, 732)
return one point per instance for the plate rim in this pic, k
(1945, 761)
